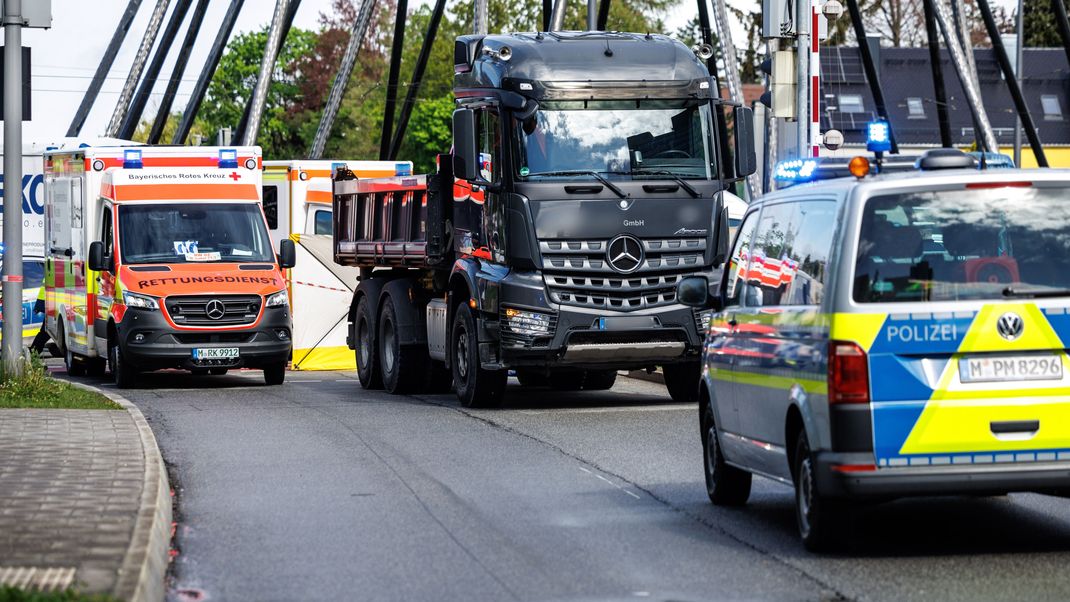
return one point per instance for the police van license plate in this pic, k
(1010, 368)
(216, 353)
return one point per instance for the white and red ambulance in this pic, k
(160, 257)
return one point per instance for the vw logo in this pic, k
(625, 254)
(1010, 326)
(215, 309)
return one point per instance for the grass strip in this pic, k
(36, 389)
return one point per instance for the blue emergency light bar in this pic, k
(228, 158)
(402, 169)
(132, 159)
(878, 136)
(796, 170)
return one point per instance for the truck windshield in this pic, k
(991, 243)
(634, 138)
(193, 233)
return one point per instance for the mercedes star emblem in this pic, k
(1010, 326)
(215, 309)
(625, 254)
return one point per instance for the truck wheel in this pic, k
(726, 485)
(275, 374)
(599, 380)
(364, 339)
(682, 381)
(820, 519)
(476, 387)
(567, 379)
(74, 367)
(404, 367)
(530, 377)
(123, 373)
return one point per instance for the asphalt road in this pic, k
(318, 490)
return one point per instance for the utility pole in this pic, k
(803, 16)
(479, 19)
(12, 273)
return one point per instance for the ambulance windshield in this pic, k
(986, 243)
(193, 233)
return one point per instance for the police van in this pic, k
(891, 335)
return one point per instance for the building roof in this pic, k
(907, 83)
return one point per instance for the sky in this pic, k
(65, 57)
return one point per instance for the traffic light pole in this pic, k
(11, 347)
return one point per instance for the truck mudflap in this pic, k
(967, 388)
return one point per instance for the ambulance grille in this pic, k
(202, 310)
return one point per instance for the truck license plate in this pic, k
(1010, 368)
(216, 353)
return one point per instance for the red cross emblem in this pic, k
(234, 176)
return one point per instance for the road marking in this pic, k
(610, 482)
(675, 407)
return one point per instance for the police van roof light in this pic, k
(796, 170)
(878, 136)
(132, 159)
(402, 169)
(228, 158)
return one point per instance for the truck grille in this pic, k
(577, 273)
(213, 310)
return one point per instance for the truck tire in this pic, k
(275, 374)
(821, 520)
(599, 380)
(682, 381)
(404, 367)
(476, 387)
(365, 344)
(726, 485)
(122, 372)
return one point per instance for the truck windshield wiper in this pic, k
(1036, 293)
(683, 183)
(584, 172)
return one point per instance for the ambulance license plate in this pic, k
(1010, 368)
(216, 353)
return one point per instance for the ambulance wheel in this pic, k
(476, 387)
(599, 380)
(275, 374)
(403, 367)
(364, 339)
(122, 372)
(682, 381)
(726, 485)
(217, 371)
(821, 519)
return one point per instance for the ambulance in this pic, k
(160, 257)
(297, 203)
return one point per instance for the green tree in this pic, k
(1040, 28)
(281, 134)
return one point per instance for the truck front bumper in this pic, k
(148, 342)
(851, 475)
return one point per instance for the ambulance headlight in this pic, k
(140, 301)
(279, 299)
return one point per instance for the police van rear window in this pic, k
(990, 243)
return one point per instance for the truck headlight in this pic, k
(527, 322)
(279, 299)
(702, 320)
(140, 301)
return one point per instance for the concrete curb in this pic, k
(141, 576)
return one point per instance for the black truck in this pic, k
(584, 182)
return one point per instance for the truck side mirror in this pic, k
(287, 254)
(723, 234)
(694, 291)
(98, 262)
(465, 148)
(746, 162)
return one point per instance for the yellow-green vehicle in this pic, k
(891, 335)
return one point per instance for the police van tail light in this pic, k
(848, 378)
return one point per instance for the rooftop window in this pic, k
(915, 108)
(851, 103)
(1053, 111)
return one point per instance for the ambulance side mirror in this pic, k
(98, 261)
(287, 254)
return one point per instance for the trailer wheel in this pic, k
(476, 387)
(599, 380)
(682, 381)
(122, 372)
(364, 339)
(404, 367)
